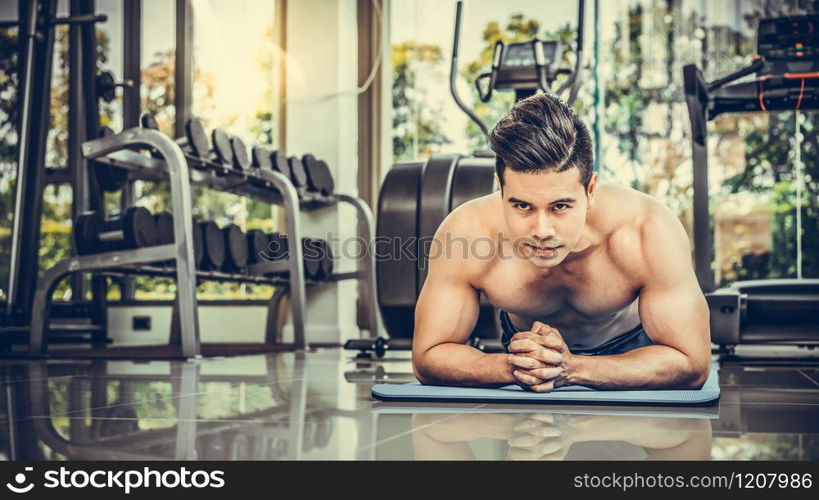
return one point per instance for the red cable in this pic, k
(762, 93)
(801, 93)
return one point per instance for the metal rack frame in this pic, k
(118, 150)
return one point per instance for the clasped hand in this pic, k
(539, 358)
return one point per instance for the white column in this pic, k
(321, 72)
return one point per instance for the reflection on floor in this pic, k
(317, 405)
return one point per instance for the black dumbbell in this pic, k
(235, 249)
(197, 139)
(109, 178)
(297, 174)
(319, 177)
(311, 253)
(164, 228)
(317, 249)
(197, 145)
(278, 160)
(257, 244)
(222, 146)
(213, 246)
(241, 160)
(378, 346)
(260, 158)
(276, 249)
(311, 250)
(277, 246)
(133, 229)
(164, 231)
(148, 120)
(165, 236)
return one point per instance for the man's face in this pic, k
(545, 213)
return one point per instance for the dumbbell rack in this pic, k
(169, 161)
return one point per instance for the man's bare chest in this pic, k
(586, 291)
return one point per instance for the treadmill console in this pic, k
(789, 45)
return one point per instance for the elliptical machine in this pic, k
(780, 311)
(417, 196)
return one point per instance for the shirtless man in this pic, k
(594, 280)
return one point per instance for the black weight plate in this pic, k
(397, 249)
(256, 246)
(278, 161)
(221, 146)
(277, 246)
(106, 86)
(197, 138)
(326, 260)
(86, 230)
(164, 228)
(109, 178)
(138, 227)
(236, 248)
(148, 120)
(323, 178)
(435, 193)
(214, 246)
(311, 253)
(297, 174)
(322, 252)
(241, 160)
(309, 161)
(261, 158)
(474, 177)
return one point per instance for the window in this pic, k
(236, 88)
(8, 138)
(641, 119)
(158, 63)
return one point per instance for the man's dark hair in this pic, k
(542, 133)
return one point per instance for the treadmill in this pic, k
(786, 68)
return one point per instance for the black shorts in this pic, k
(632, 339)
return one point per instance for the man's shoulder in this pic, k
(467, 239)
(643, 226)
(473, 219)
(622, 209)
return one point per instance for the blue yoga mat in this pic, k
(414, 391)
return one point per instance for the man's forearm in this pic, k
(651, 367)
(459, 364)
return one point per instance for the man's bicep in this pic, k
(672, 307)
(447, 308)
(675, 315)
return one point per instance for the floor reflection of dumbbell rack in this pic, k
(285, 431)
(168, 160)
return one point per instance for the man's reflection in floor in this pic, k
(549, 436)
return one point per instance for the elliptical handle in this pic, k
(453, 73)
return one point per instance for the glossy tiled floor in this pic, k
(317, 405)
